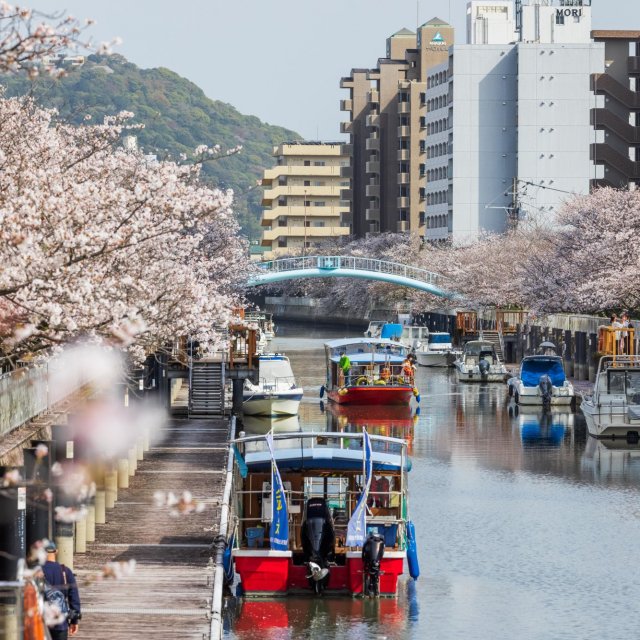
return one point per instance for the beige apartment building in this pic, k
(387, 128)
(302, 204)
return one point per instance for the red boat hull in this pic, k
(263, 574)
(372, 395)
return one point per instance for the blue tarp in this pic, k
(439, 338)
(534, 367)
(391, 331)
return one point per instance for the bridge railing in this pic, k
(351, 262)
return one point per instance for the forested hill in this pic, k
(177, 116)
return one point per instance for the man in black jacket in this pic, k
(61, 578)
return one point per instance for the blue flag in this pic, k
(279, 532)
(357, 527)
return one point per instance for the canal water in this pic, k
(527, 527)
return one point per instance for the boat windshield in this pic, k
(479, 349)
(623, 381)
(533, 368)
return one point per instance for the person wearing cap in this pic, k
(60, 577)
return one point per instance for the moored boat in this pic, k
(411, 336)
(378, 373)
(276, 392)
(542, 380)
(479, 362)
(321, 512)
(437, 350)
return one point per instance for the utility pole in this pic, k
(304, 242)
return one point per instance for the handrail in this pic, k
(334, 435)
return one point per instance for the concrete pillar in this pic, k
(111, 481)
(568, 354)
(100, 507)
(591, 356)
(123, 473)
(99, 500)
(91, 521)
(64, 541)
(146, 439)
(133, 460)
(140, 448)
(81, 535)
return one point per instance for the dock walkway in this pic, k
(169, 594)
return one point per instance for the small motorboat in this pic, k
(479, 362)
(437, 351)
(276, 393)
(541, 380)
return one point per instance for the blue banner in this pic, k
(357, 527)
(279, 532)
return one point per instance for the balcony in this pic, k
(404, 154)
(372, 166)
(403, 202)
(346, 105)
(345, 127)
(372, 190)
(404, 131)
(404, 107)
(373, 120)
(403, 178)
(346, 172)
(346, 195)
(633, 67)
(346, 149)
(373, 96)
(372, 214)
(372, 144)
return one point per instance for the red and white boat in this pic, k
(319, 485)
(378, 374)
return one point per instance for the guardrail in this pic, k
(351, 262)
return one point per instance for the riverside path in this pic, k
(169, 594)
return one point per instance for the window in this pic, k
(282, 242)
(307, 163)
(282, 181)
(307, 203)
(422, 217)
(307, 183)
(282, 222)
(319, 163)
(282, 201)
(402, 215)
(319, 223)
(318, 203)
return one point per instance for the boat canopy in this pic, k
(367, 357)
(365, 345)
(274, 365)
(391, 330)
(532, 367)
(439, 337)
(478, 348)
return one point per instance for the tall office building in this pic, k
(516, 135)
(302, 196)
(387, 128)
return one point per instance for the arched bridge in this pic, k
(348, 267)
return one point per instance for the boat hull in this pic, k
(478, 377)
(265, 573)
(433, 359)
(607, 422)
(272, 405)
(372, 395)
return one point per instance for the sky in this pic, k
(280, 60)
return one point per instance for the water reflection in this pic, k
(540, 428)
(263, 424)
(612, 461)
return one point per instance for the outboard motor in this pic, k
(318, 541)
(372, 553)
(484, 367)
(546, 390)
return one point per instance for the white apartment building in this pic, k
(519, 132)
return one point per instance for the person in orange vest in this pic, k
(408, 370)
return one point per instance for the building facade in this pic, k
(301, 201)
(387, 128)
(520, 135)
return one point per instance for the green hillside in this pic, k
(177, 117)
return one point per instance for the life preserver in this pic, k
(342, 391)
(380, 381)
(362, 381)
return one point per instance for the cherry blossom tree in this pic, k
(96, 240)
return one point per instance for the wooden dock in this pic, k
(169, 594)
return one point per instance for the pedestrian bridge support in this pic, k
(348, 267)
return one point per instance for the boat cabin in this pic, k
(618, 380)
(477, 350)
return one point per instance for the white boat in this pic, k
(409, 335)
(374, 329)
(613, 409)
(437, 351)
(479, 362)
(541, 380)
(276, 393)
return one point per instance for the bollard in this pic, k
(146, 439)
(140, 448)
(100, 507)
(591, 356)
(81, 535)
(123, 473)
(111, 482)
(133, 460)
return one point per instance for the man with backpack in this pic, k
(61, 590)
